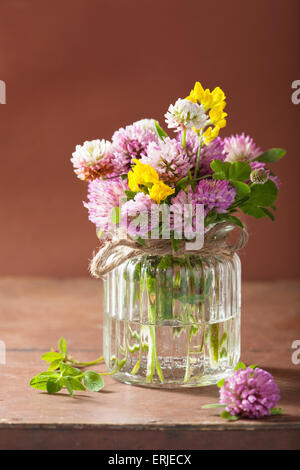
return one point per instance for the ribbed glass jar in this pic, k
(171, 322)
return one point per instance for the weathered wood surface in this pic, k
(34, 313)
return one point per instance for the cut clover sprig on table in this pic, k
(54, 358)
(249, 393)
(61, 373)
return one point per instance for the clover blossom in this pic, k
(240, 148)
(250, 393)
(169, 159)
(184, 115)
(93, 159)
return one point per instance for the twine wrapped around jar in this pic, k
(124, 248)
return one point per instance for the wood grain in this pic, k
(34, 313)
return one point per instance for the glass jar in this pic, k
(173, 321)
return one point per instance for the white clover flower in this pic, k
(146, 124)
(90, 157)
(184, 115)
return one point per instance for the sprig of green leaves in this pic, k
(69, 377)
(61, 373)
(54, 358)
(253, 199)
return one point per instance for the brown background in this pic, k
(79, 69)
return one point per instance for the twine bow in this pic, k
(117, 251)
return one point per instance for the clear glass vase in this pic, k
(173, 321)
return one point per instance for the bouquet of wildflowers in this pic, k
(143, 167)
(158, 202)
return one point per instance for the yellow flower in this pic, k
(144, 175)
(207, 98)
(199, 95)
(141, 174)
(218, 97)
(210, 134)
(196, 94)
(217, 115)
(160, 191)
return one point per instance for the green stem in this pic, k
(70, 360)
(198, 154)
(214, 343)
(184, 139)
(202, 178)
(152, 360)
(188, 360)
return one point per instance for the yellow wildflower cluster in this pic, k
(213, 102)
(144, 175)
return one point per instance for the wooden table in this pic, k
(34, 313)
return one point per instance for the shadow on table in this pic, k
(288, 381)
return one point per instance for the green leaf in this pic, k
(130, 194)
(160, 131)
(72, 383)
(52, 356)
(263, 194)
(55, 364)
(255, 211)
(242, 189)
(40, 381)
(93, 381)
(221, 169)
(165, 262)
(69, 387)
(182, 183)
(70, 371)
(229, 416)
(54, 385)
(240, 365)
(253, 366)
(213, 405)
(63, 346)
(276, 411)
(272, 155)
(141, 241)
(268, 213)
(221, 383)
(115, 215)
(239, 171)
(75, 383)
(234, 220)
